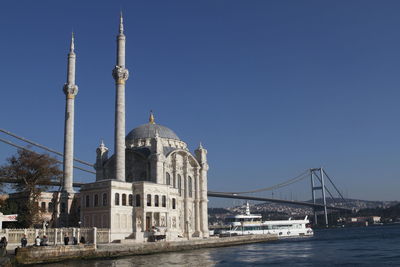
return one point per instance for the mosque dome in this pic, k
(149, 130)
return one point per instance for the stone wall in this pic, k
(31, 255)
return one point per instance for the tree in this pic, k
(32, 173)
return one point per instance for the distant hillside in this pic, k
(358, 204)
(279, 211)
(388, 214)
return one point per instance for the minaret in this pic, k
(201, 156)
(101, 157)
(120, 74)
(70, 90)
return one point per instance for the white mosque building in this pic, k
(151, 183)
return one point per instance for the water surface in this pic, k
(366, 246)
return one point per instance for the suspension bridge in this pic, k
(320, 182)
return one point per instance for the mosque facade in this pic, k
(151, 184)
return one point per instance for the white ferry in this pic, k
(252, 224)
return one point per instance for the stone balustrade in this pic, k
(55, 236)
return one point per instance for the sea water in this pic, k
(353, 246)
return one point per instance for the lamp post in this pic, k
(45, 224)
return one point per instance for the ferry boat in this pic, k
(252, 224)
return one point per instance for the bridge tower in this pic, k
(318, 184)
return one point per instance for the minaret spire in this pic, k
(120, 74)
(121, 24)
(70, 90)
(72, 47)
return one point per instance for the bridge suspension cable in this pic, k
(337, 190)
(43, 147)
(299, 177)
(24, 148)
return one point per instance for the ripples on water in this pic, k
(368, 246)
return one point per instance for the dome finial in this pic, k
(151, 119)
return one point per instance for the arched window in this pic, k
(164, 201)
(116, 199)
(123, 199)
(105, 199)
(43, 207)
(51, 207)
(173, 203)
(180, 185)
(148, 200)
(130, 200)
(156, 201)
(87, 201)
(168, 178)
(62, 207)
(148, 178)
(96, 200)
(190, 187)
(137, 200)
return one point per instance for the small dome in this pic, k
(148, 130)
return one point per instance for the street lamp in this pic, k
(45, 224)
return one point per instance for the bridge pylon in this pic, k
(318, 184)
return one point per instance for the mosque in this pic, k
(151, 183)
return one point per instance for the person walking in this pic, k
(82, 240)
(24, 241)
(37, 241)
(3, 246)
(66, 239)
(44, 241)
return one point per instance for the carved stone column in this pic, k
(196, 201)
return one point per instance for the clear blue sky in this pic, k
(271, 88)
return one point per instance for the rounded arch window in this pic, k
(190, 187)
(116, 199)
(180, 185)
(168, 178)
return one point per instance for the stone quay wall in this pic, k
(33, 255)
